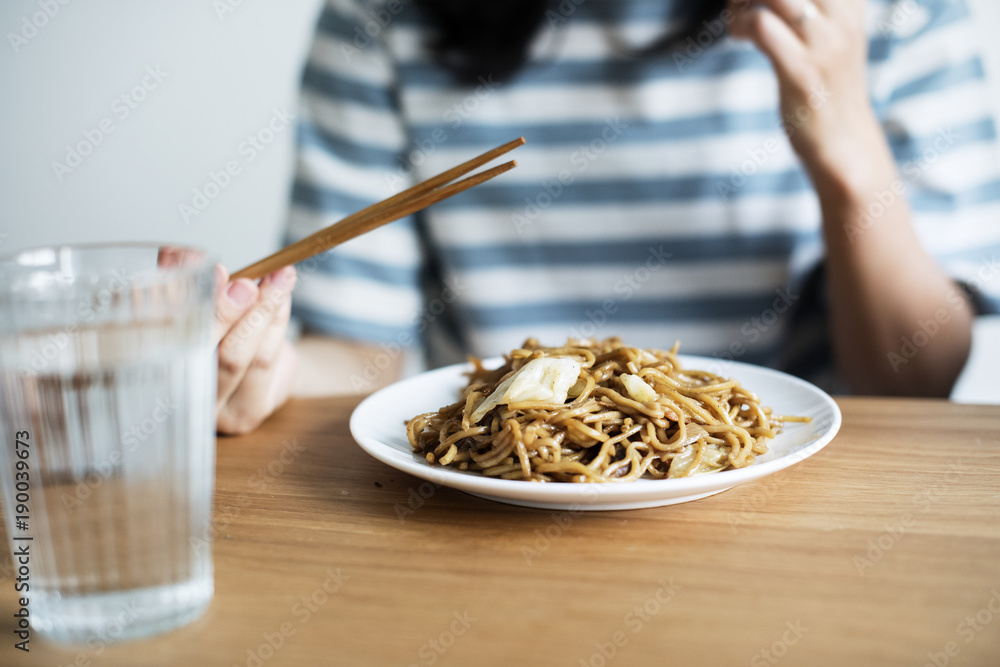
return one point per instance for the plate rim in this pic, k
(592, 495)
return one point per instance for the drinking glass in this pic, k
(107, 437)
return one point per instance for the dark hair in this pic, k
(474, 38)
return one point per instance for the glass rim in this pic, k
(99, 283)
(206, 261)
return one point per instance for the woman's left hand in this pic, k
(881, 281)
(819, 52)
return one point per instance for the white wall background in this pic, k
(225, 74)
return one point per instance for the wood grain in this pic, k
(873, 552)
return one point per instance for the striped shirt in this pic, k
(656, 198)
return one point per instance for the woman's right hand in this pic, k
(257, 363)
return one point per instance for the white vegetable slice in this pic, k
(638, 389)
(713, 460)
(546, 379)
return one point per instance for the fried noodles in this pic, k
(630, 413)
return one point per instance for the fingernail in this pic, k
(285, 279)
(242, 292)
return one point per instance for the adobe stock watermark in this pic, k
(302, 610)
(432, 650)
(374, 367)
(897, 22)
(580, 160)
(894, 531)
(988, 271)
(259, 316)
(225, 513)
(31, 24)
(559, 523)
(926, 330)
(113, 284)
(108, 634)
(779, 648)
(111, 631)
(415, 499)
(754, 329)
(121, 108)
(627, 286)
(559, 14)
(757, 157)
(131, 438)
(224, 8)
(423, 148)
(380, 17)
(632, 624)
(752, 505)
(247, 150)
(911, 345)
(711, 32)
(882, 201)
(764, 492)
(266, 475)
(967, 630)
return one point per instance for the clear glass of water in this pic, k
(107, 437)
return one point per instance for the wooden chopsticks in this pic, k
(407, 202)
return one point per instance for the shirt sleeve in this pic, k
(350, 142)
(929, 89)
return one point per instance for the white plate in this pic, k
(378, 424)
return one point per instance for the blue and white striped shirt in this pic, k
(656, 198)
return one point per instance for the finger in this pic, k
(256, 337)
(232, 300)
(269, 376)
(801, 15)
(779, 42)
(273, 334)
(171, 256)
(168, 256)
(255, 401)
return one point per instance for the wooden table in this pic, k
(882, 549)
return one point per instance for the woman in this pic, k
(808, 192)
